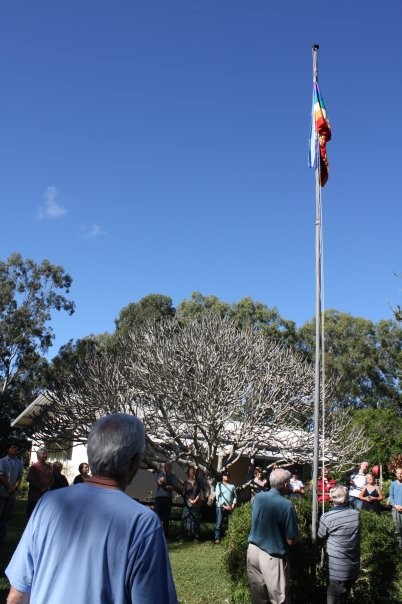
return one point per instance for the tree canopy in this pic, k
(245, 313)
(150, 308)
(362, 357)
(29, 292)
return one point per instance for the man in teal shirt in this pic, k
(273, 529)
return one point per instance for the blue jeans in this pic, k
(221, 516)
(356, 503)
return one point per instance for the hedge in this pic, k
(379, 559)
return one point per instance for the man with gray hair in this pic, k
(273, 529)
(92, 543)
(340, 528)
(40, 479)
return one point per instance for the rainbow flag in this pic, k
(318, 144)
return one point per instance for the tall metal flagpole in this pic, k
(317, 323)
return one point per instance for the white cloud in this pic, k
(92, 231)
(51, 208)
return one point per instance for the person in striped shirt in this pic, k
(340, 528)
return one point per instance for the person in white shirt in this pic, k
(357, 484)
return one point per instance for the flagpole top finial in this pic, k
(315, 47)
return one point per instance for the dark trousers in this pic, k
(163, 508)
(30, 508)
(221, 516)
(6, 508)
(338, 591)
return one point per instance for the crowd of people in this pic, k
(65, 528)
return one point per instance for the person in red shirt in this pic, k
(324, 485)
(40, 478)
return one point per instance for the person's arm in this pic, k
(3, 480)
(380, 495)
(362, 497)
(150, 560)
(161, 480)
(18, 597)
(17, 483)
(291, 531)
(33, 479)
(322, 531)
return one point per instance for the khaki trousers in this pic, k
(268, 577)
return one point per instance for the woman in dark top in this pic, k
(258, 483)
(83, 475)
(371, 496)
(60, 481)
(192, 496)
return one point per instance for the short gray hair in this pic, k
(113, 442)
(339, 494)
(41, 449)
(278, 478)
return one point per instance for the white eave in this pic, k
(25, 419)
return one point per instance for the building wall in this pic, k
(143, 487)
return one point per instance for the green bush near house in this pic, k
(379, 559)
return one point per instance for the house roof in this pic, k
(25, 419)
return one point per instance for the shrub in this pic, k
(378, 558)
(235, 544)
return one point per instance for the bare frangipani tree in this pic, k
(207, 391)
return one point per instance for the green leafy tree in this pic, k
(247, 313)
(383, 433)
(29, 292)
(363, 357)
(199, 305)
(150, 308)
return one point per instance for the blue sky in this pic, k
(161, 147)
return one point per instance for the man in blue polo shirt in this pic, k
(273, 529)
(92, 543)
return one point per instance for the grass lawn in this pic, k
(198, 573)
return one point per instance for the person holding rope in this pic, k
(226, 499)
